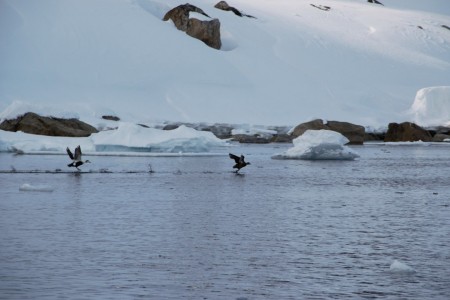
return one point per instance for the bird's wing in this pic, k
(78, 153)
(236, 158)
(69, 153)
(241, 159)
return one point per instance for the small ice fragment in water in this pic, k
(399, 267)
(26, 187)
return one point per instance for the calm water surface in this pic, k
(191, 229)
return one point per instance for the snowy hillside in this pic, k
(357, 62)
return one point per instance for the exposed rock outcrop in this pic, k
(35, 124)
(223, 5)
(375, 1)
(206, 31)
(111, 118)
(406, 132)
(354, 133)
(311, 125)
(180, 15)
(321, 7)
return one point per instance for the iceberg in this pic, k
(319, 145)
(132, 137)
(127, 137)
(431, 106)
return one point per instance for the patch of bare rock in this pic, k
(207, 31)
(354, 133)
(35, 124)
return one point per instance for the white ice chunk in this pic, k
(131, 137)
(319, 145)
(400, 267)
(26, 187)
(431, 106)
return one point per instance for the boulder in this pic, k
(111, 118)
(321, 7)
(223, 5)
(34, 124)
(354, 133)
(206, 31)
(375, 1)
(406, 132)
(311, 125)
(180, 15)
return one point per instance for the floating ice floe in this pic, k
(127, 137)
(400, 267)
(319, 145)
(131, 137)
(26, 187)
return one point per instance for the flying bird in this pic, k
(240, 162)
(76, 159)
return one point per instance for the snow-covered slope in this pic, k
(357, 62)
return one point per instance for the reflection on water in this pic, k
(193, 229)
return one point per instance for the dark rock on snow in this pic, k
(406, 132)
(375, 1)
(35, 124)
(206, 31)
(180, 15)
(321, 7)
(223, 5)
(111, 118)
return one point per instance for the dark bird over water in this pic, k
(240, 162)
(76, 159)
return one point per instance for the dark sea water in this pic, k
(192, 229)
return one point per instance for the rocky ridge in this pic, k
(404, 132)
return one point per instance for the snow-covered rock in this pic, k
(319, 145)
